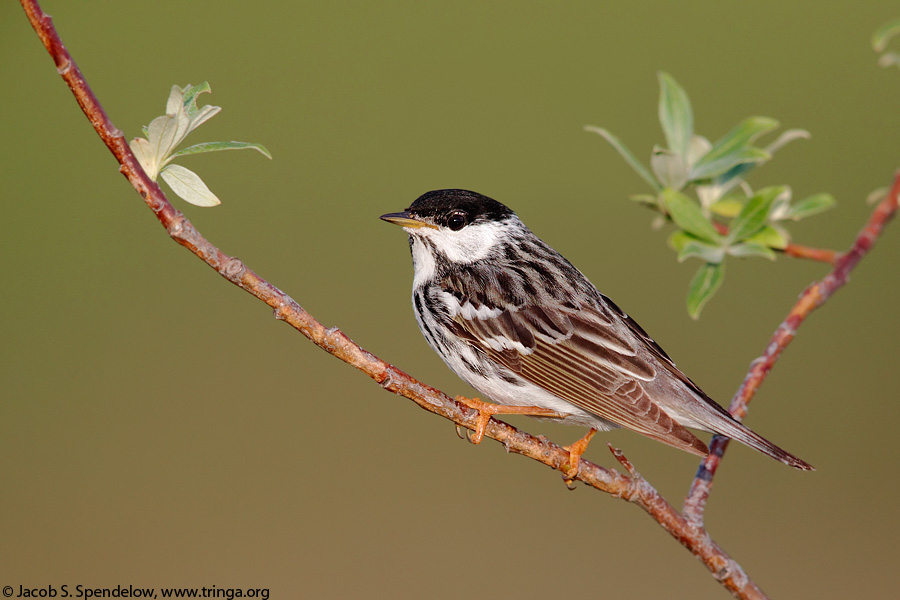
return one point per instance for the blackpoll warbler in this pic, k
(520, 324)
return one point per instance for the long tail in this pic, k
(740, 432)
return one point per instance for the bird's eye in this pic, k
(457, 220)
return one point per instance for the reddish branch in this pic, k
(795, 250)
(819, 254)
(812, 298)
(632, 487)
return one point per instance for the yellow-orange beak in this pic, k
(403, 219)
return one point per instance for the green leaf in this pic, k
(625, 153)
(786, 138)
(696, 248)
(190, 97)
(707, 168)
(183, 103)
(745, 133)
(732, 176)
(188, 186)
(669, 168)
(678, 239)
(883, 35)
(689, 246)
(649, 199)
(217, 146)
(704, 284)
(734, 148)
(687, 215)
(751, 249)
(768, 236)
(728, 207)
(203, 114)
(675, 115)
(810, 206)
(754, 215)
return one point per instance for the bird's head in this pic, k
(454, 225)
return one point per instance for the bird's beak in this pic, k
(403, 219)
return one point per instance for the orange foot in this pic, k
(486, 410)
(575, 451)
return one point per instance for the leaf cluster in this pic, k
(157, 149)
(700, 187)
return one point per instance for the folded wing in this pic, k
(581, 357)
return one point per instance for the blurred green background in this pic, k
(158, 427)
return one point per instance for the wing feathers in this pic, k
(549, 324)
(579, 357)
(602, 333)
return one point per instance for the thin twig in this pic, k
(632, 487)
(812, 298)
(794, 250)
(819, 254)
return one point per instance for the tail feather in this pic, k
(743, 434)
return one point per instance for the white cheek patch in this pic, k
(471, 243)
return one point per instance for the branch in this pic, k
(812, 298)
(632, 487)
(819, 254)
(795, 250)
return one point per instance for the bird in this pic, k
(519, 323)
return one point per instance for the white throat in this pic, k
(468, 245)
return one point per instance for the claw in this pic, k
(486, 410)
(576, 449)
